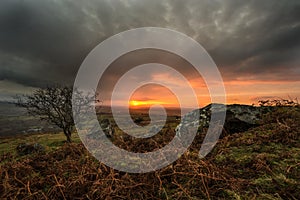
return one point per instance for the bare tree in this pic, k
(54, 104)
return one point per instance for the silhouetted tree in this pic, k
(54, 104)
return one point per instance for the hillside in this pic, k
(15, 121)
(260, 163)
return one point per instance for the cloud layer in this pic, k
(42, 42)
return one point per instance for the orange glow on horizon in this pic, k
(237, 92)
(137, 103)
(150, 95)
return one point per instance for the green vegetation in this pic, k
(261, 163)
(49, 140)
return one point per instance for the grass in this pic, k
(49, 140)
(261, 163)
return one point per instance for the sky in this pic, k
(255, 44)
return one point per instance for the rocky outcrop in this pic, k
(239, 118)
(107, 128)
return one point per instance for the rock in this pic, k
(155, 129)
(106, 127)
(239, 118)
(25, 149)
(34, 130)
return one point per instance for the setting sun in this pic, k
(138, 103)
(148, 103)
(149, 95)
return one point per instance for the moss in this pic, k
(230, 194)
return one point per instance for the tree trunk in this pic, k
(69, 140)
(68, 135)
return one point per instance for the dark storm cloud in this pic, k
(257, 36)
(41, 41)
(46, 41)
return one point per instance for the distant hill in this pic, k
(15, 121)
(143, 110)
